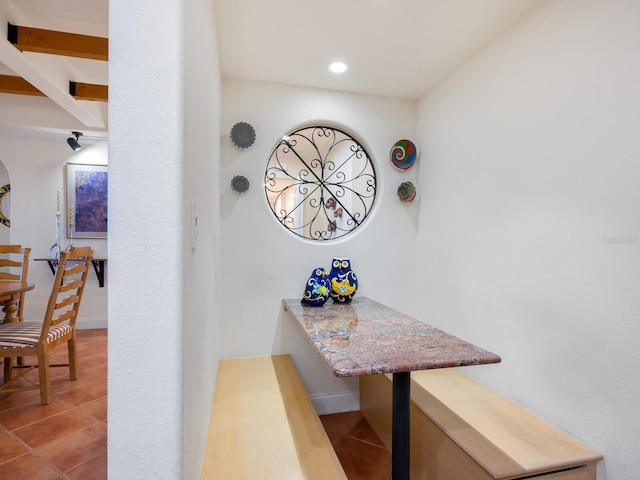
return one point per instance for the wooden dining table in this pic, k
(10, 291)
(365, 337)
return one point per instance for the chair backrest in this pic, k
(14, 259)
(68, 287)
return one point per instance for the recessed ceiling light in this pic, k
(338, 67)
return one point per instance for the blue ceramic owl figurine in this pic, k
(316, 291)
(344, 282)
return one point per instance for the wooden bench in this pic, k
(264, 426)
(462, 430)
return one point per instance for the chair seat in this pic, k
(27, 334)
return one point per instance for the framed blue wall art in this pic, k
(87, 200)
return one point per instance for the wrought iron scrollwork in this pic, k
(320, 183)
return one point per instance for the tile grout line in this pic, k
(33, 451)
(367, 442)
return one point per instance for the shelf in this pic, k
(98, 266)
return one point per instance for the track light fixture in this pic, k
(73, 142)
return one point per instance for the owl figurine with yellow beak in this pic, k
(344, 282)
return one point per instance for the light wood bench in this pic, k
(264, 426)
(462, 430)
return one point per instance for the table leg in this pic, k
(400, 435)
(10, 309)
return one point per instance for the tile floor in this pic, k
(361, 453)
(67, 439)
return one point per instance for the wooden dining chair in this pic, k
(14, 265)
(35, 338)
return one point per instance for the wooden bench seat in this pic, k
(264, 426)
(462, 430)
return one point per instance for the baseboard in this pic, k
(336, 402)
(89, 323)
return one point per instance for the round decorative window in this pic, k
(320, 183)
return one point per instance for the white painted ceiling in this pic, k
(397, 48)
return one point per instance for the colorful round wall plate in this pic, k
(407, 192)
(403, 154)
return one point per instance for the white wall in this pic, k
(262, 263)
(146, 248)
(35, 162)
(201, 262)
(529, 235)
(164, 152)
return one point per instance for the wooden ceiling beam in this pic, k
(28, 39)
(89, 91)
(79, 91)
(18, 85)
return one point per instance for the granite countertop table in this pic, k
(366, 338)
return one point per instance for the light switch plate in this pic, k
(194, 224)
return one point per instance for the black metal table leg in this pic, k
(400, 435)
